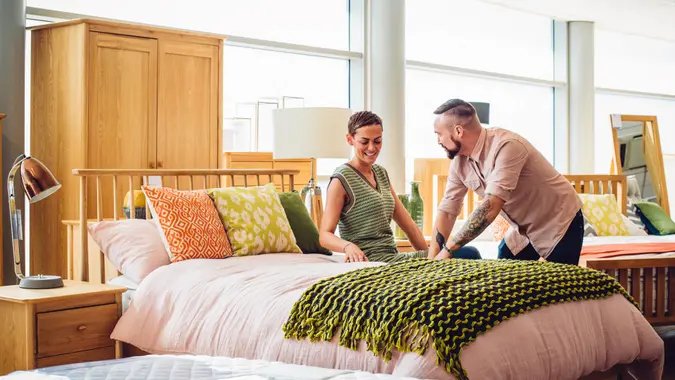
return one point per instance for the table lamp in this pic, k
(311, 132)
(38, 184)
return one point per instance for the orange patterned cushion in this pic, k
(190, 225)
(499, 227)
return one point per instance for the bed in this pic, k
(236, 308)
(191, 367)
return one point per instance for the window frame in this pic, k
(558, 84)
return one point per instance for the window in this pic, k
(522, 108)
(267, 80)
(607, 104)
(634, 63)
(271, 80)
(322, 23)
(477, 35)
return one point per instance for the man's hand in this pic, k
(444, 254)
(442, 228)
(479, 220)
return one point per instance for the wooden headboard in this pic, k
(92, 266)
(432, 173)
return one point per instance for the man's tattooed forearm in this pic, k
(477, 223)
(440, 240)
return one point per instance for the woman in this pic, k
(362, 202)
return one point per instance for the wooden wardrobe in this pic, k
(116, 95)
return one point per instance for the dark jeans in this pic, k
(567, 251)
(470, 253)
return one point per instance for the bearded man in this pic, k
(515, 180)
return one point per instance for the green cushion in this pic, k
(656, 220)
(304, 229)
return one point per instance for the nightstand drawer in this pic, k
(106, 353)
(68, 331)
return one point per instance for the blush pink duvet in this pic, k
(236, 307)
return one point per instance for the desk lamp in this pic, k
(38, 184)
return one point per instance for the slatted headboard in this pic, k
(432, 173)
(108, 187)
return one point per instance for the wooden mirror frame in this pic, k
(651, 137)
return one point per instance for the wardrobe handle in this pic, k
(152, 165)
(160, 164)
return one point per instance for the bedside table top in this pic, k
(70, 289)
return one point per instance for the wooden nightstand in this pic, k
(47, 327)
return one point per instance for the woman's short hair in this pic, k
(362, 119)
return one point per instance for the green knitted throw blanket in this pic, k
(405, 305)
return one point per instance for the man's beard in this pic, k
(452, 153)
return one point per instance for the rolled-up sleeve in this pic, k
(509, 162)
(453, 199)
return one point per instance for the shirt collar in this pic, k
(480, 143)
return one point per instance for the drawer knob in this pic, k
(81, 328)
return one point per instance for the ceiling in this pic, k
(651, 18)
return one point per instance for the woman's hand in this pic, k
(354, 254)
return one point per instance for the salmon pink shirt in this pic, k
(539, 202)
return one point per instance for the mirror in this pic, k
(637, 149)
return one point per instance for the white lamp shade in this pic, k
(311, 132)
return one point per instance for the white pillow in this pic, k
(133, 246)
(633, 229)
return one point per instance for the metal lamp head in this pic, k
(38, 181)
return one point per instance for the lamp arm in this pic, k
(15, 216)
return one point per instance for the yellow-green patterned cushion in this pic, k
(255, 220)
(603, 212)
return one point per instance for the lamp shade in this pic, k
(311, 132)
(38, 181)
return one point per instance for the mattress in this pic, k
(189, 367)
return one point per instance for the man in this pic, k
(514, 179)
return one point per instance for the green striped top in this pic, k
(365, 219)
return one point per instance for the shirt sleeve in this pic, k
(509, 162)
(455, 191)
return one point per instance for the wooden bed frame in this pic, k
(93, 267)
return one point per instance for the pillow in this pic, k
(589, 230)
(139, 199)
(189, 224)
(302, 225)
(634, 229)
(631, 212)
(133, 246)
(254, 220)
(602, 211)
(655, 219)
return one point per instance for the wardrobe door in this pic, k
(122, 111)
(188, 108)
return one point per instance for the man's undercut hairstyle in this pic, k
(463, 111)
(362, 119)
